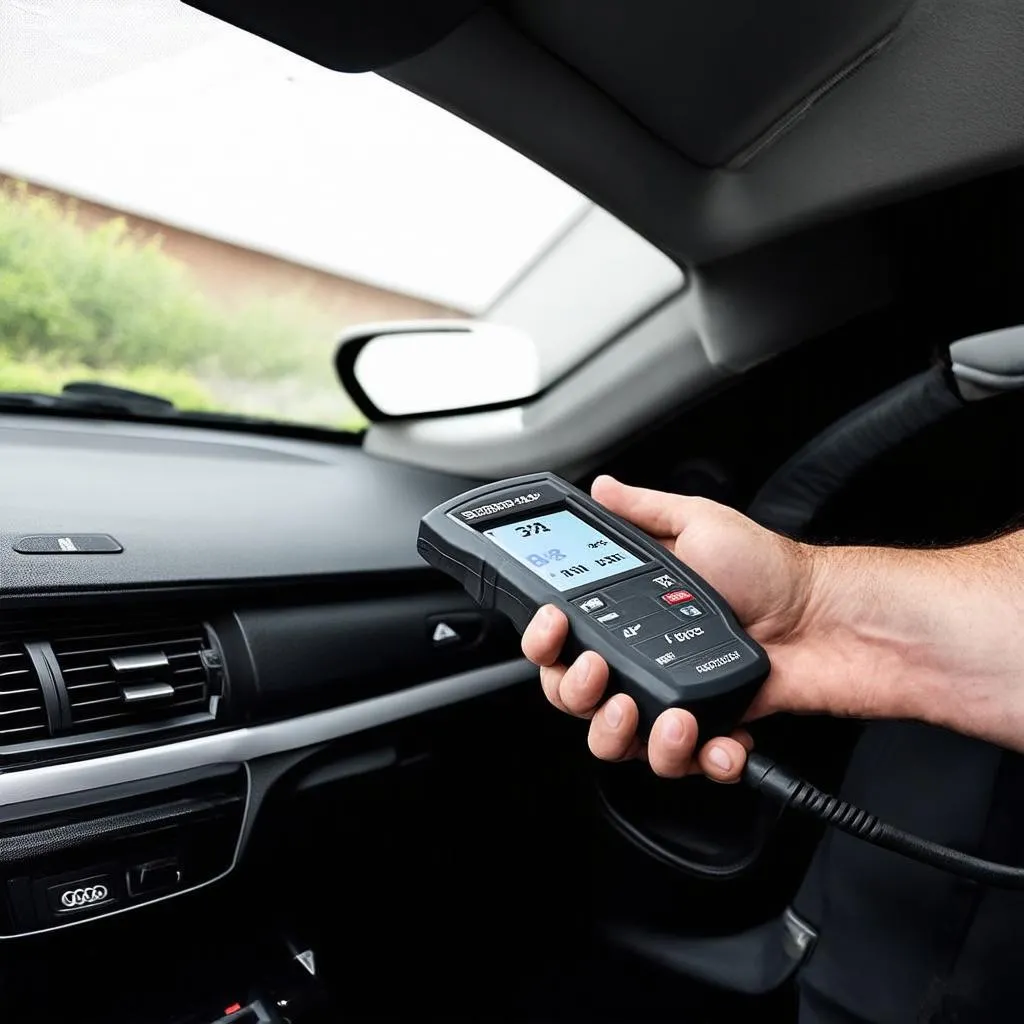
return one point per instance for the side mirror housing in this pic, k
(423, 368)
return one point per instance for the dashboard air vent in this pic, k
(131, 678)
(22, 708)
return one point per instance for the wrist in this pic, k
(874, 617)
(934, 635)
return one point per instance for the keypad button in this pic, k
(675, 645)
(635, 631)
(591, 603)
(674, 597)
(690, 610)
(660, 652)
(654, 585)
(708, 664)
(664, 580)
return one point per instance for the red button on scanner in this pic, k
(677, 597)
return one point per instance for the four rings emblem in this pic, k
(84, 897)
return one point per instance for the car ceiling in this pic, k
(708, 127)
(701, 77)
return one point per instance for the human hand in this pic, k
(764, 577)
(865, 632)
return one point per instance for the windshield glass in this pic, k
(189, 211)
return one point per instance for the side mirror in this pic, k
(416, 369)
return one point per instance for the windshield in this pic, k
(194, 213)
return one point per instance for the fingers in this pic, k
(613, 730)
(550, 681)
(579, 688)
(545, 635)
(672, 749)
(656, 512)
(671, 744)
(582, 686)
(722, 758)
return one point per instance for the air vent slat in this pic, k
(22, 706)
(75, 687)
(186, 687)
(99, 700)
(91, 719)
(20, 733)
(18, 693)
(19, 711)
(123, 638)
(96, 675)
(124, 645)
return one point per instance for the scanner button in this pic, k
(651, 585)
(636, 630)
(684, 640)
(716, 662)
(690, 610)
(665, 581)
(660, 652)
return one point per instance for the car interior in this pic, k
(243, 774)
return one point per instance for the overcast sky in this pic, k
(156, 109)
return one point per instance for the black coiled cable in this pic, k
(790, 790)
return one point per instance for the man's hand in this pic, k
(764, 577)
(864, 632)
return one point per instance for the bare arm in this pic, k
(866, 632)
(936, 635)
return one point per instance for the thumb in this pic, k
(658, 513)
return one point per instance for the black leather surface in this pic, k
(797, 492)
(194, 506)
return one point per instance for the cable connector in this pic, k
(789, 790)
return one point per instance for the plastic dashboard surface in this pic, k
(194, 506)
(300, 559)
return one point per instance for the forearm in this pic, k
(936, 635)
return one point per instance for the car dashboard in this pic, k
(187, 613)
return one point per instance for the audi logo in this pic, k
(84, 897)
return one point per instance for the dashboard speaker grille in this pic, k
(126, 678)
(22, 708)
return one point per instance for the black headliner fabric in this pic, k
(709, 78)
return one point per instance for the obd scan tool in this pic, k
(668, 638)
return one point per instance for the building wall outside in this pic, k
(231, 274)
(242, 289)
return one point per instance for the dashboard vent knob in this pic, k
(115, 678)
(22, 707)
